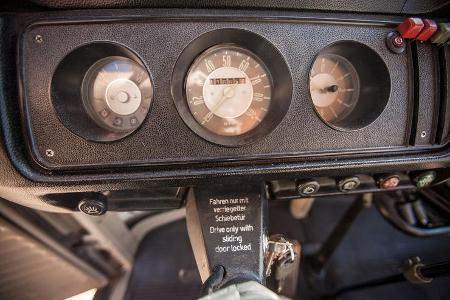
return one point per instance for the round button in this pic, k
(307, 188)
(93, 207)
(398, 41)
(395, 42)
(425, 179)
(348, 184)
(388, 182)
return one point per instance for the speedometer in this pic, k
(228, 90)
(231, 86)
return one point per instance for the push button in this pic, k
(395, 42)
(388, 182)
(307, 188)
(425, 179)
(348, 184)
(93, 205)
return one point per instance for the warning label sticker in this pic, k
(228, 212)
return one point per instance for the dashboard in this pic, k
(157, 99)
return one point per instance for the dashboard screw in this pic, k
(423, 134)
(38, 39)
(49, 152)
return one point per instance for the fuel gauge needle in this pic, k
(329, 89)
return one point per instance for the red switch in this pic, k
(429, 28)
(410, 28)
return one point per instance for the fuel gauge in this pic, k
(334, 87)
(117, 93)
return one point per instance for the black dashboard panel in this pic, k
(164, 151)
(164, 139)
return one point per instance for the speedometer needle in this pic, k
(228, 92)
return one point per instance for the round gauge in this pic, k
(231, 87)
(228, 90)
(334, 87)
(117, 93)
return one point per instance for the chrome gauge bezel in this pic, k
(258, 46)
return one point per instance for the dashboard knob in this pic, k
(93, 205)
(307, 188)
(388, 181)
(349, 184)
(424, 179)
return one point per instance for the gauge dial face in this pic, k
(228, 90)
(334, 87)
(117, 93)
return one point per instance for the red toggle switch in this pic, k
(410, 28)
(429, 28)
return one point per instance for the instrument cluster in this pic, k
(230, 86)
(217, 93)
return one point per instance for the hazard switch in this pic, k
(410, 28)
(429, 28)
